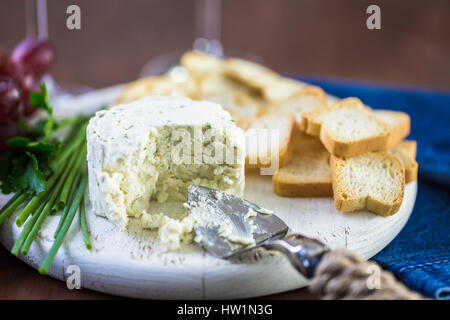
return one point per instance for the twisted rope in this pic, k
(342, 275)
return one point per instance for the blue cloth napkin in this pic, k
(420, 254)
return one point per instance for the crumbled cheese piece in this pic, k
(265, 211)
(250, 213)
(218, 195)
(226, 229)
(172, 232)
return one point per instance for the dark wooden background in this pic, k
(311, 37)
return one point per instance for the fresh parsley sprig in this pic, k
(25, 166)
(47, 175)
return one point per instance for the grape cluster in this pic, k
(20, 74)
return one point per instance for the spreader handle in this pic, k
(340, 274)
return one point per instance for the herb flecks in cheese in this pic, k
(148, 151)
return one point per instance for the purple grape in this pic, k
(28, 83)
(10, 101)
(4, 61)
(33, 55)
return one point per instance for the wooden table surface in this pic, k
(315, 37)
(20, 281)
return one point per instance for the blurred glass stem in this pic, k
(36, 26)
(36, 23)
(208, 14)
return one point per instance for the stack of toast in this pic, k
(326, 147)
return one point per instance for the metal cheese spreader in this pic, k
(227, 225)
(221, 207)
(263, 227)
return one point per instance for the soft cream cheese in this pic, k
(134, 158)
(204, 215)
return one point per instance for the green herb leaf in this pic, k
(16, 174)
(52, 172)
(42, 147)
(41, 99)
(18, 142)
(26, 175)
(49, 126)
(26, 165)
(33, 146)
(5, 171)
(35, 177)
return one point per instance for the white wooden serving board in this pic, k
(130, 263)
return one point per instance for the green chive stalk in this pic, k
(84, 226)
(26, 230)
(64, 189)
(35, 201)
(64, 213)
(79, 162)
(12, 205)
(72, 168)
(36, 226)
(45, 266)
(78, 139)
(48, 208)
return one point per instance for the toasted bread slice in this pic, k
(307, 99)
(242, 103)
(272, 85)
(332, 99)
(374, 181)
(159, 85)
(263, 149)
(406, 152)
(282, 88)
(347, 128)
(250, 73)
(308, 174)
(400, 125)
(216, 84)
(244, 116)
(198, 63)
(225, 91)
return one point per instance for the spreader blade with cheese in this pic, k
(226, 224)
